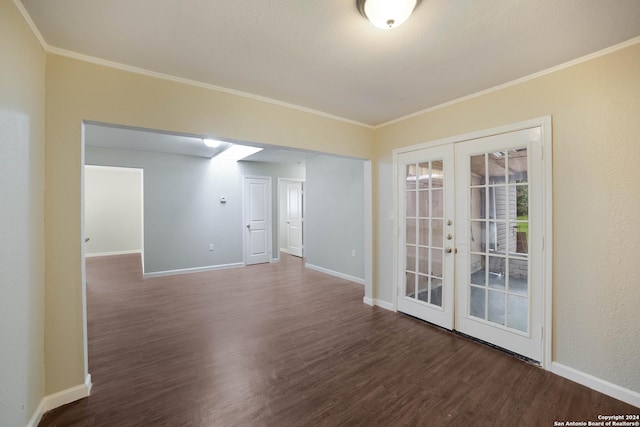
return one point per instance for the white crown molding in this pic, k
(123, 67)
(30, 23)
(129, 68)
(533, 76)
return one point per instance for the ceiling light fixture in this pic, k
(386, 14)
(211, 143)
(238, 152)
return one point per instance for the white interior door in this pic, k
(257, 219)
(294, 218)
(425, 198)
(481, 198)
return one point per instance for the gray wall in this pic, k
(334, 222)
(182, 212)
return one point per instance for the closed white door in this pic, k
(257, 219)
(499, 265)
(470, 245)
(294, 218)
(426, 201)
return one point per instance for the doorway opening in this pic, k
(193, 201)
(114, 210)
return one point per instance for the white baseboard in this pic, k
(629, 396)
(383, 304)
(624, 394)
(60, 398)
(335, 273)
(192, 270)
(377, 302)
(91, 255)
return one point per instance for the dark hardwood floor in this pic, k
(281, 345)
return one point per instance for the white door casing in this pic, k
(294, 218)
(523, 282)
(257, 219)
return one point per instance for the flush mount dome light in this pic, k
(386, 14)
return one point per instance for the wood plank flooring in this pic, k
(281, 345)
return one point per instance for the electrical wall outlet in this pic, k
(210, 246)
(353, 252)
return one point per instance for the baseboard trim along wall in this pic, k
(378, 303)
(618, 392)
(628, 396)
(60, 398)
(192, 270)
(335, 273)
(112, 253)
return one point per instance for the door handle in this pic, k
(248, 226)
(448, 250)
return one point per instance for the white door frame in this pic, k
(279, 213)
(547, 216)
(245, 239)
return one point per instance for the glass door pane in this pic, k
(424, 231)
(498, 219)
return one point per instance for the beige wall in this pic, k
(595, 108)
(22, 77)
(112, 209)
(79, 91)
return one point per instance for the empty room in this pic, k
(435, 223)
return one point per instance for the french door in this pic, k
(426, 279)
(470, 250)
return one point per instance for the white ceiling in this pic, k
(325, 56)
